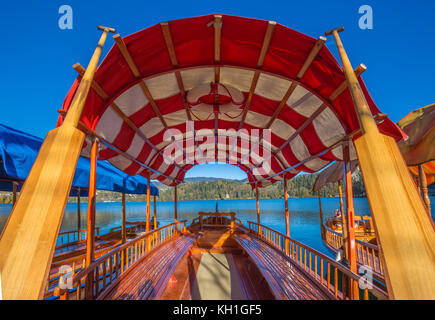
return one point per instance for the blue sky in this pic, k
(37, 56)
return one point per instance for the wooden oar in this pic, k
(404, 231)
(29, 237)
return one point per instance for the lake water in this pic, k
(304, 214)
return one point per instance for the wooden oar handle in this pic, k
(106, 29)
(328, 33)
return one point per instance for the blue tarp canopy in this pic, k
(18, 151)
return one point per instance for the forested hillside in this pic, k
(212, 188)
(298, 187)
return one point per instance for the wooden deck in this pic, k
(285, 279)
(235, 267)
(241, 280)
(179, 263)
(149, 277)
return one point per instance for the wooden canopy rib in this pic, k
(264, 48)
(169, 43)
(266, 42)
(295, 134)
(314, 156)
(340, 89)
(217, 45)
(281, 105)
(343, 86)
(129, 59)
(167, 36)
(132, 65)
(377, 118)
(174, 61)
(86, 130)
(217, 25)
(311, 56)
(173, 57)
(100, 91)
(307, 63)
(160, 150)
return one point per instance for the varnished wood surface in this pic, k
(405, 233)
(29, 237)
(149, 278)
(285, 280)
(182, 281)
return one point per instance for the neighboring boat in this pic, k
(146, 110)
(418, 152)
(18, 151)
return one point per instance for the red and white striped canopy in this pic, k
(289, 83)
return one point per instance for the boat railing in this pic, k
(68, 238)
(318, 267)
(216, 219)
(132, 228)
(104, 272)
(75, 264)
(363, 225)
(367, 254)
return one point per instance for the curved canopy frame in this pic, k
(291, 82)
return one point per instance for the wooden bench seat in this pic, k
(286, 281)
(149, 277)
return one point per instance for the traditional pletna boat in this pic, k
(156, 94)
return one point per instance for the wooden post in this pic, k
(79, 218)
(258, 203)
(14, 193)
(90, 237)
(175, 204)
(90, 234)
(350, 221)
(287, 217)
(322, 227)
(423, 188)
(29, 238)
(147, 225)
(344, 219)
(403, 228)
(123, 230)
(155, 212)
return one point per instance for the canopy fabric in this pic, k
(334, 173)
(140, 92)
(429, 170)
(419, 148)
(419, 125)
(18, 151)
(7, 185)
